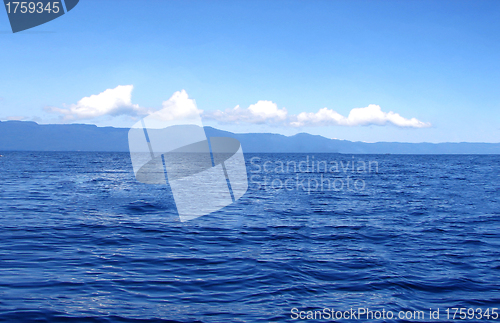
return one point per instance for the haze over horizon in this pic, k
(361, 71)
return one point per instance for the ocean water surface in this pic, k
(82, 241)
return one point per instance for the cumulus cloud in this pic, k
(178, 107)
(260, 112)
(113, 102)
(369, 115)
(268, 112)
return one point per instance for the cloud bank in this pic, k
(118, 101)
(268, 112)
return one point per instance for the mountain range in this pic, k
(30, 136)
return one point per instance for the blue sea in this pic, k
(82, 241)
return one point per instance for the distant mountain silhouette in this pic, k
(30, 136)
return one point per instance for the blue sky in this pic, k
(434, 61)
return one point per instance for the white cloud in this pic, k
(113, 102)
(178, 107)
(323, 117)
(260, 112)
(369, 115)
(268, 112)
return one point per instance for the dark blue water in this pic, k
(82, 241)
